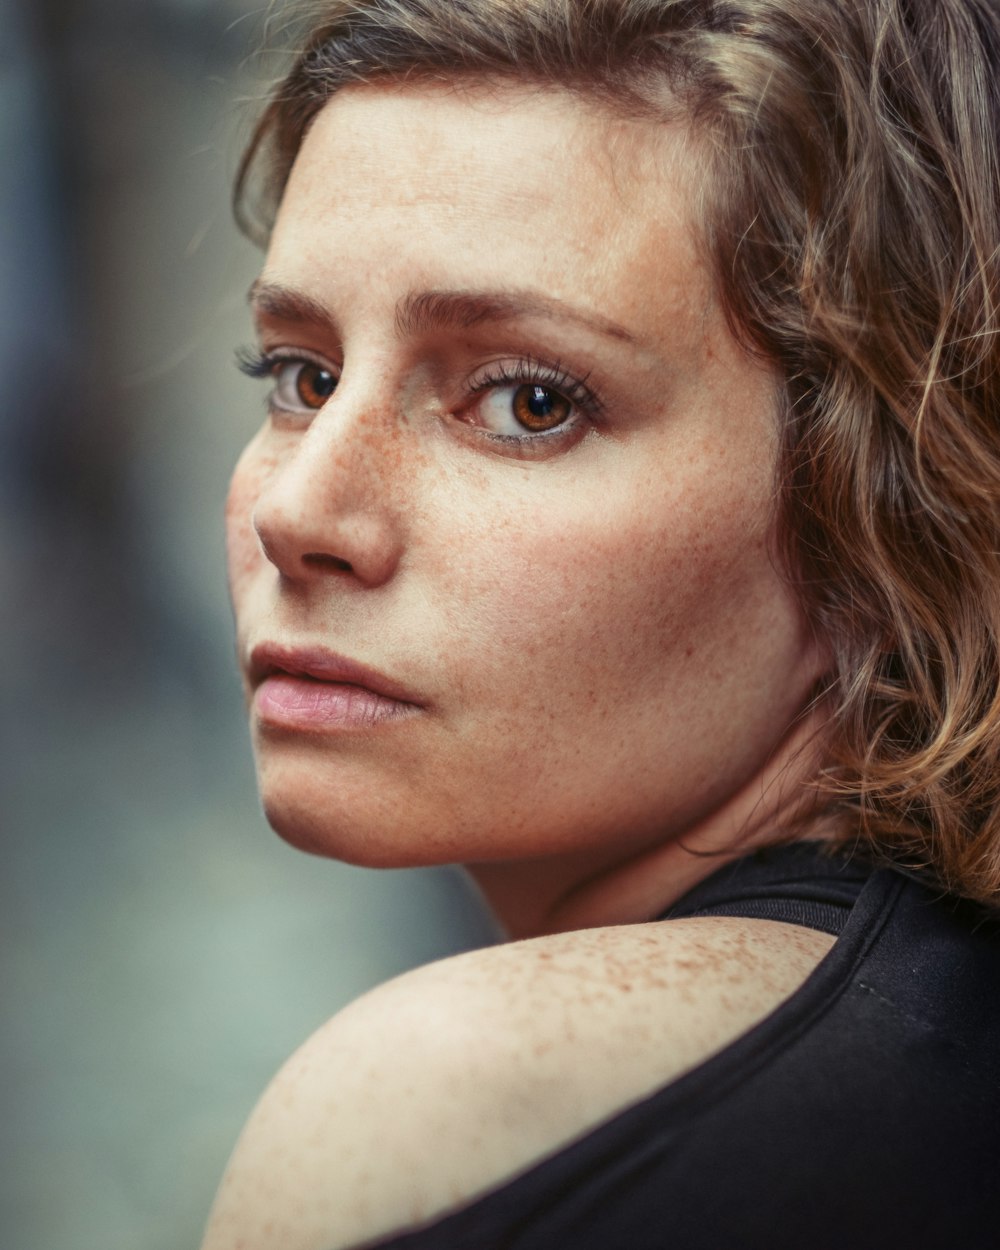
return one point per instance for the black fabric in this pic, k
(798, 884)
(863, 1114)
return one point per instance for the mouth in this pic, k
(313, 689)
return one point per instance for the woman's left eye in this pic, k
(528, 408)
(530, 404)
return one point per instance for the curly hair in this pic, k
(851, 214)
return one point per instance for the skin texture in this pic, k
(603, 654)
(446, 1081)
(607, 669)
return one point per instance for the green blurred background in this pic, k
(163, 951)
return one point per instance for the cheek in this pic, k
(572, 602)
(243, 552)
(610, 662)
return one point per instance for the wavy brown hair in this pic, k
(852, 216)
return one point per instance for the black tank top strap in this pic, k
(803, 883)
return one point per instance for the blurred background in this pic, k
(163, 951)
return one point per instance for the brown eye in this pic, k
(523, 410)
(302, 386)
(314, 385)
(539, 408)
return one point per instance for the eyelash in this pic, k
(525, 369)
(257, 364)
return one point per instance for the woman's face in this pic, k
(500, 552)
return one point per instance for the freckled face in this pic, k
(516, 465)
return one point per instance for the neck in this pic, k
(594, 889)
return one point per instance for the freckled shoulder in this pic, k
(450, 1079)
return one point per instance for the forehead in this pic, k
(481, 187)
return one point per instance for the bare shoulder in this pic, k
(446, 1081)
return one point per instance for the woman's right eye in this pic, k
(301, 386)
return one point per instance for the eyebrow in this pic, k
(462, 310)
(286, 304)
(421, 311)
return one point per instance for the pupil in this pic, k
(322, 383)
(540, 403)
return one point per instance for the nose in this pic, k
(329, 506)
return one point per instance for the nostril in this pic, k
(319, 560)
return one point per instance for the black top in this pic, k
(863, 1113)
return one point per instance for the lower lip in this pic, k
(285, 702)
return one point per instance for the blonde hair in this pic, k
(853, 221)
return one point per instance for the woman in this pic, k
(627, 504)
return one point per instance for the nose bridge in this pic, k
(331, 502)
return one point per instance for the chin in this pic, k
(367, 830)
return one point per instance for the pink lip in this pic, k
(310, 688)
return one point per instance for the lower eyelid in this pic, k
(533, 445)
(524, 440)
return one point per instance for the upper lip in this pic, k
(321, 664)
